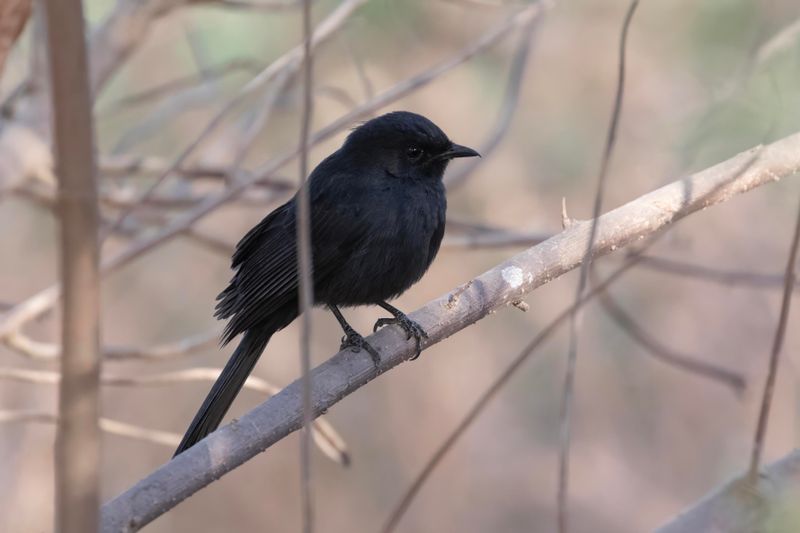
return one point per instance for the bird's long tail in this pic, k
(225, 389)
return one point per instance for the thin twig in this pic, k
(189, 81)
(34, 349)
(516, 74)
(714, 274)
(114, 427)
(574, 326)
(494, 239)
(361, 71)
(777, 344)
(306, 284)
(626, 323)
(325, 435)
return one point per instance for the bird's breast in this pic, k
(403, 229)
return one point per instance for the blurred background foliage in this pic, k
(649, 439)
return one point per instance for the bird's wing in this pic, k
(266, 259)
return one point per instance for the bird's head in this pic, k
(405, 145)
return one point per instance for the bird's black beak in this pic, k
(456, 150)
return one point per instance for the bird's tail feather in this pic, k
(225, 389)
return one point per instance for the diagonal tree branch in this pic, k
(768, 505)
(508, 282)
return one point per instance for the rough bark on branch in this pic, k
(770, 506)
(345, 372)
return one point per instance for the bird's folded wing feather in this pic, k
(266, 262)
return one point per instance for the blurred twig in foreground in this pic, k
(777, 344)
(77, 453)
(568, 394)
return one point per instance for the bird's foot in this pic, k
(411, 328)
(356, 342)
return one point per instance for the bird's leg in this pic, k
(411, 328)
(352, 339)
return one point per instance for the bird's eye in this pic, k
(414, 153)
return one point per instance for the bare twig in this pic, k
(574, 326)
(777, 344)
(306, 284)
(78, 437)
(361, 71)
(516, 74)
(123, 166)
(178, 84)
(259, 118)
(713, 274)
(114, 427)
(494, 239)
(169, 350)
(325, 436)
(734, 380)
(344, 373)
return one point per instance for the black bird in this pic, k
(377, 219)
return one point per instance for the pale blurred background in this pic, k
(648, 439)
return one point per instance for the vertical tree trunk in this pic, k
(78, 437)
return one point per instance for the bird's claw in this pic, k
(411, 328)
(356, 342)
